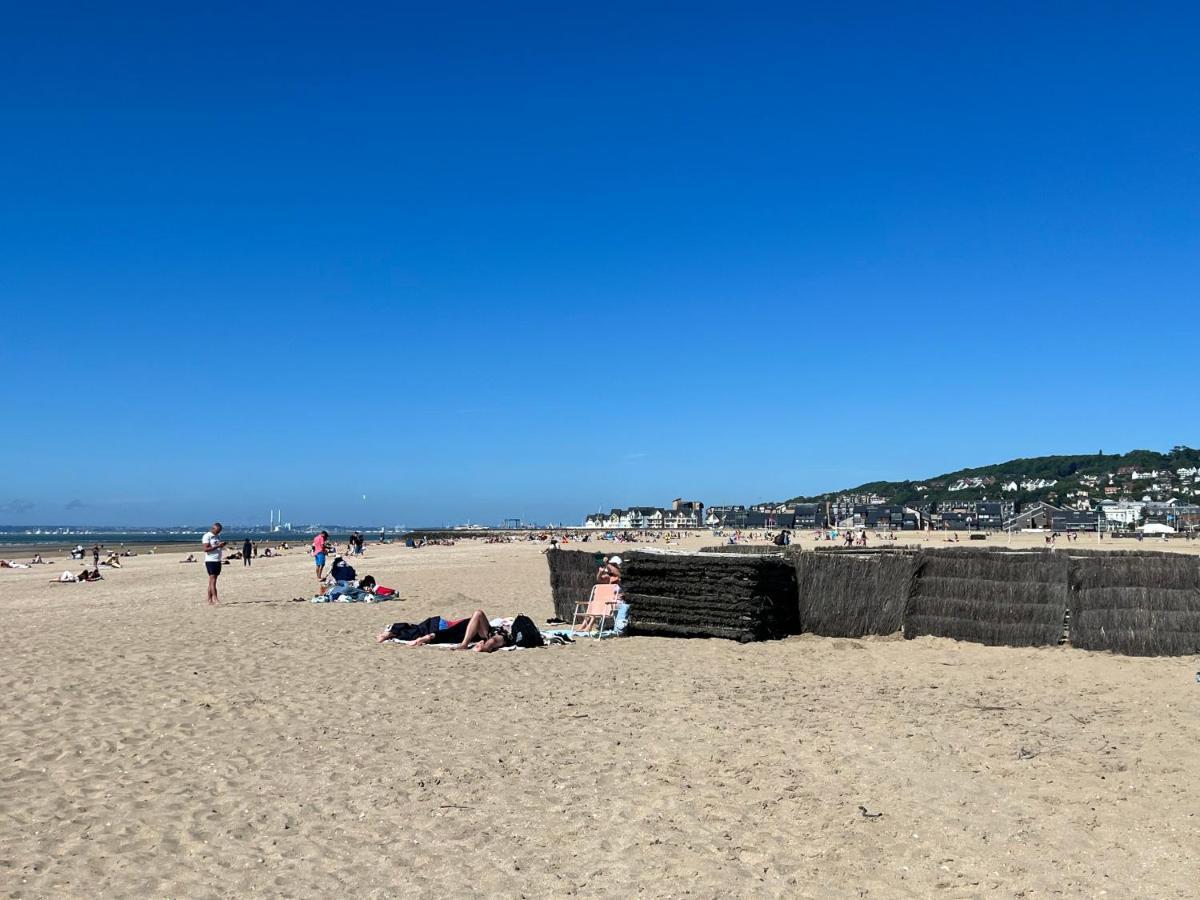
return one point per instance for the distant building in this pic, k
(761, 516)
(683, 514)
(1034, 515)
(1177, 514)
(809, 515)
(1073, 520)
(1122, 513)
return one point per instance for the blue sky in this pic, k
(476, 261)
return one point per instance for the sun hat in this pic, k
(614, 560)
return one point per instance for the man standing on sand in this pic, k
(318, 546)
(247, 551)
(213, 550)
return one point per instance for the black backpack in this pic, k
(525, 633)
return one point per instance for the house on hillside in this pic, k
(1037, 484)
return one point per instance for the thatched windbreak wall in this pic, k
(1140, 604)
(746, 598)
(853, 594)
(745, 549)
(989, 597)
(572, 574)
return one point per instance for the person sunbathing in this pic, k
(37, 560)
(610, 571)
(463, 633)
(191, 557)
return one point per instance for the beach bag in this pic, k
(525, 633)
(385, 592)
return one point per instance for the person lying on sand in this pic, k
(191, 557)
(85, 575)
(462, 632)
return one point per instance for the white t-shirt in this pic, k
(213, 554)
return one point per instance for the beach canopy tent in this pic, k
(1156, 528)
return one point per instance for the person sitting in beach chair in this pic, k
(599, 608)
(609, 571)
(462, 632)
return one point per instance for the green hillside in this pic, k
(1069, 472)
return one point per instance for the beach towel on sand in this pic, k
(351, 595)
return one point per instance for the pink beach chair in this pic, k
(600, 607)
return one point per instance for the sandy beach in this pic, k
(152, 746)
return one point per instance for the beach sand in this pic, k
(152, 746)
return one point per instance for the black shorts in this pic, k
(214, 568)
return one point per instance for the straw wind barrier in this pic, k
(1125, 601)
(990, 597)
(745, 549)
(1137, 604)
(746, 598)
(853, 595)
(572, 574)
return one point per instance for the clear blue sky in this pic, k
(484, 261)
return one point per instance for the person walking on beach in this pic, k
(318, 546)
(213, 550)
(95, 556)
(247, 552)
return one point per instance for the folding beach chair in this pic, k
(600, 607)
